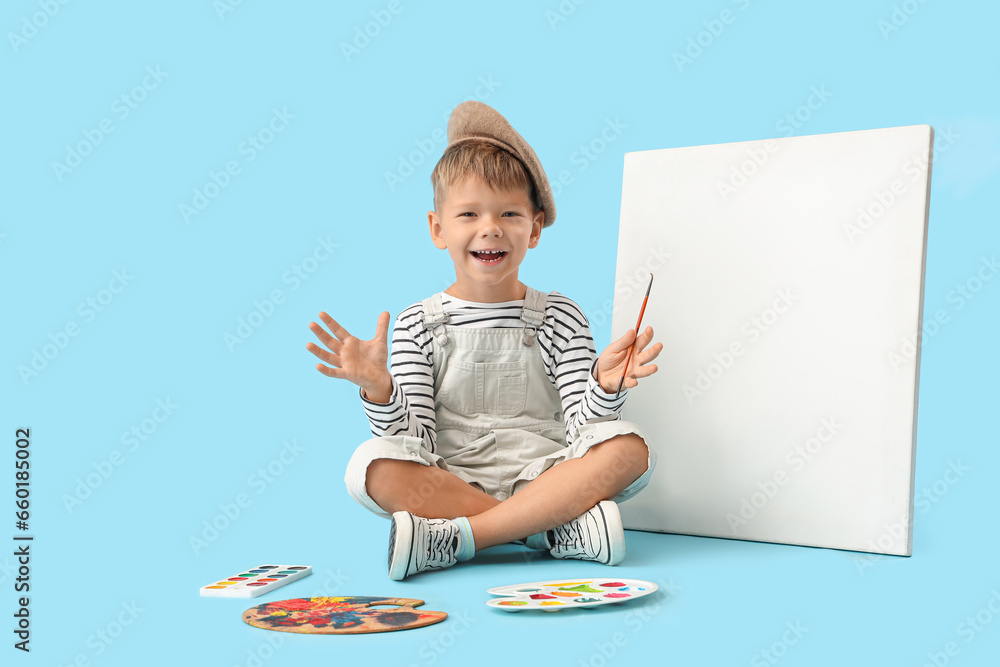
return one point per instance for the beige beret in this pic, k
(475, 121)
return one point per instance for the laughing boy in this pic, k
(495, 420)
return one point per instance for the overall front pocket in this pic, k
(476, 388)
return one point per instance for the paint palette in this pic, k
(256, 581)
(346, 615)
(559, 594)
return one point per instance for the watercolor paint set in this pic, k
(256, 581)
(559, 594)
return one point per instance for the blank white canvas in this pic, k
(788, 295)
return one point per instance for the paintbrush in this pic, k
(637, 325)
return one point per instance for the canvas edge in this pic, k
(919, 337)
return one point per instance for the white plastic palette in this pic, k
(559, 594)
(256, 581)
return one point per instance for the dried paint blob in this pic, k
(613, 584)
(617, 595)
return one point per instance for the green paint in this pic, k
(582, 588)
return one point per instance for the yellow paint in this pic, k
(572, 583)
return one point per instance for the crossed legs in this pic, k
(560, 494)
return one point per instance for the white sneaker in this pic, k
(595, 535)
(417, 544)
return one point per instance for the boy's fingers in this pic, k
(330, 372)
(324, 337)
(338, 331)
(624, 342)
(328, 357)
(644, 371)
(644, 338)
(382, 329)
(650, 354)
(641, 353)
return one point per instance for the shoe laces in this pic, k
(568, 537)
(442, 543)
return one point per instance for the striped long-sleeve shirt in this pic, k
(564, 340)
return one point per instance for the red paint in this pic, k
(614, 584)
(542, 596)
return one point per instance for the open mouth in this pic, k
(489, 256)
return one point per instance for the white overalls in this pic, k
(499, 417)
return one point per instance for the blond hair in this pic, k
(493, 165)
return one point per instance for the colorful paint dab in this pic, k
(571, 583)
(584, 588)
(552, 595)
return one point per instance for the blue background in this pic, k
(115, 562)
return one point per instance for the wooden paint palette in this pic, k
(559, 594)
(345, 615)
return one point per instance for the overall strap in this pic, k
(533, 315)
(435, 318)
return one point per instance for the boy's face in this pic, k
(487, 233)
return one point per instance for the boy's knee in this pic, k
(627, 454)
(381, 468)
(372, 463)
(388, 476)
(403, 485)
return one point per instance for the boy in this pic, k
(496, 423)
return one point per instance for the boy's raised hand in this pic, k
(362, 362)
(611, 363)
